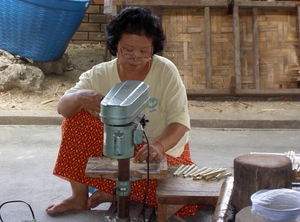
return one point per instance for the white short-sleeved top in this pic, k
(168, 100)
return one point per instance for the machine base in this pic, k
(135, 214)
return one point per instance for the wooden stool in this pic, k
(256, 172)
(184, 191)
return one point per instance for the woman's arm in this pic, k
(168, 139)
(70, 104)
(171, 136)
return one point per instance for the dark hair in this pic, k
(135, 20)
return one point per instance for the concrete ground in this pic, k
(259, 117)
(29, 143)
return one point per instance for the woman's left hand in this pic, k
(155, 150)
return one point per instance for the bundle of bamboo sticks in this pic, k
(295, 160)
(206, 173)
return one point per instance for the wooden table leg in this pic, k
(161, 212)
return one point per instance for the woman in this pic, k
(134, 36)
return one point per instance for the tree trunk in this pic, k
(256, 172)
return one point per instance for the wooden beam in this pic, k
(207, 48)
(223, 4)
(243, 92)
(97, 2)
(237, 51)
(255, 49)
(267, 4)
(174, 3)
(207, 92)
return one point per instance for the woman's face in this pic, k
(134, 51)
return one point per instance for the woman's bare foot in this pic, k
(99, 197)
(72, 203)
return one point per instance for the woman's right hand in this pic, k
(90, 101)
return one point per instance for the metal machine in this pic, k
(123, 129)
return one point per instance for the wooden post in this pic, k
(298, 11)
(237, 51)
(207, 48)
(255, 49)
(232, 85)
(230, 4)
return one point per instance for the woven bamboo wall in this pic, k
(277, 39)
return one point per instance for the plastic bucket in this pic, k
(39, 29)
(280, 205)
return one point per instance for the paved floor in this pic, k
(287, 119)
(28, 154)
(29, 142)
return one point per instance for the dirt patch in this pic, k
(83, 57)
(282, 105)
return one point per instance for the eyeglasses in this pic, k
(144, 55)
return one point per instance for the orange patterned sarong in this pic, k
(82, 137)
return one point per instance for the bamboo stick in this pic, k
(223, 201)
(178, 169)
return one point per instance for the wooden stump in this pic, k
(256, 172)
